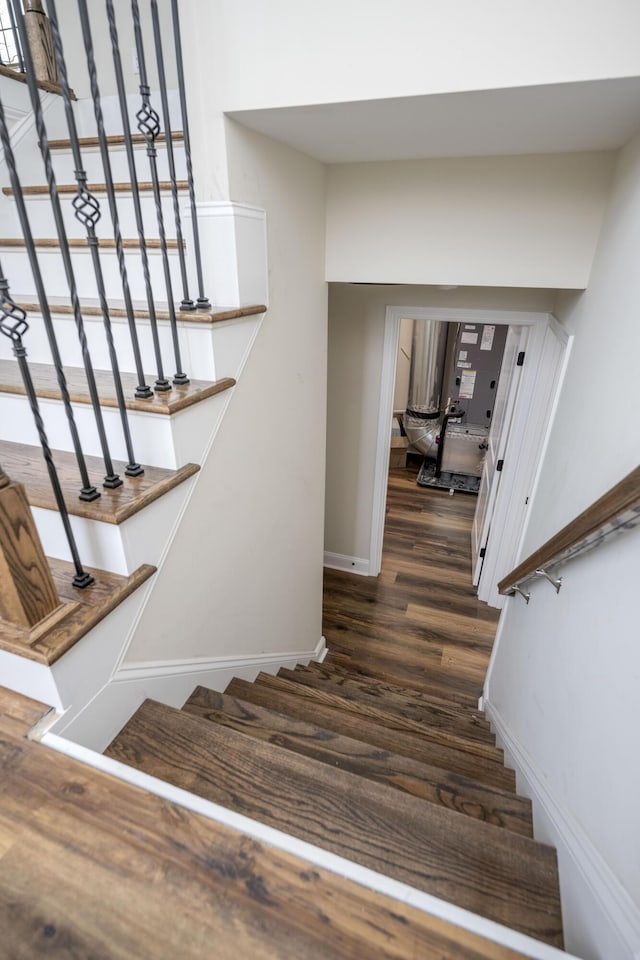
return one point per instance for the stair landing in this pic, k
(92, 866)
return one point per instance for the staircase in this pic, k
(407, 783)
(124, 534)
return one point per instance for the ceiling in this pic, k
(555, 118)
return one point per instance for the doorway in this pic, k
(531, 376)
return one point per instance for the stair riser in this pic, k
(17, 270)
(64, 167)
(159, 440)
(42, 221)
(196, 345)
(118, 548)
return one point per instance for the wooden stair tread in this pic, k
(413, 675)
(342, 663)
(81, 243)
(90, 606)
(115, 140)
(93, 309)
(25, 464)
(498, 874)
(394, 699)
(441, 739)
(144, 186)
(46, 384)
(437, 786)
(286, 697)
(45, 85)
(164, 882)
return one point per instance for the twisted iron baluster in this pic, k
(87, 211)
(143, 392)
(13, 324)
(149, 127)
(161, 384)
(111, 479)
(187, 303)
(203, 301)
(88, 491)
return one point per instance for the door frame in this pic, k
(394, 314)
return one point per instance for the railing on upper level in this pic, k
(36, 46)
(618, 510)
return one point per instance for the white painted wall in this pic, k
(403, 364)
(244, 574)
(356, 334)
(566, 674)
(291, 52)
(528, 221)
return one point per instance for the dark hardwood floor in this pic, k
(419, 624)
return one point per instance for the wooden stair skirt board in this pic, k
(92, 309)
(104, 869)
(361, 784)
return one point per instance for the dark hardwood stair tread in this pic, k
(285, 697)
(114, 140)
(93, 309)
(376, 711)
(25, 464)
(396, 700)
(46, 384)
(122, 873)
(144, 186)
(498, 874)
(436, 786)
(396, 671)
(81, 243)
(93, 603)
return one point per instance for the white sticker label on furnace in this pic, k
(467, 385)
(468, 337)
(462, 355)
(464, 364)
(488, 333)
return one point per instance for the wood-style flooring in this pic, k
(419, 624)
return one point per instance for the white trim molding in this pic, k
(340, 561)
(600, 919)
(97, 722)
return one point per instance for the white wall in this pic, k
(528, 221)
(356, 333)
(566, 674)
(291, 52)
(244, 574)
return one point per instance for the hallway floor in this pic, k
(420, 621)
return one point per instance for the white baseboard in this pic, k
(170, 682)
(339, 561)
(600, 920)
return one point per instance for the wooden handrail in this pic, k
(616, 509)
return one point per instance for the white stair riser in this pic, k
(18, 272)
(119, 548)
(196, 345)
(159, 440)
(64, 167)
(42, 223)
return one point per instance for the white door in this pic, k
(501, 421)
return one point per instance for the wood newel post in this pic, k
(27, 592)
(39, 33)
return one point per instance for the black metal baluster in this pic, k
(161, 384)
(187, 303)
(203, 301)
(16, 38)
(13, 324)
(149, 127)
(87, 211)
(143, 392)
(111, 479)
(88, 491)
